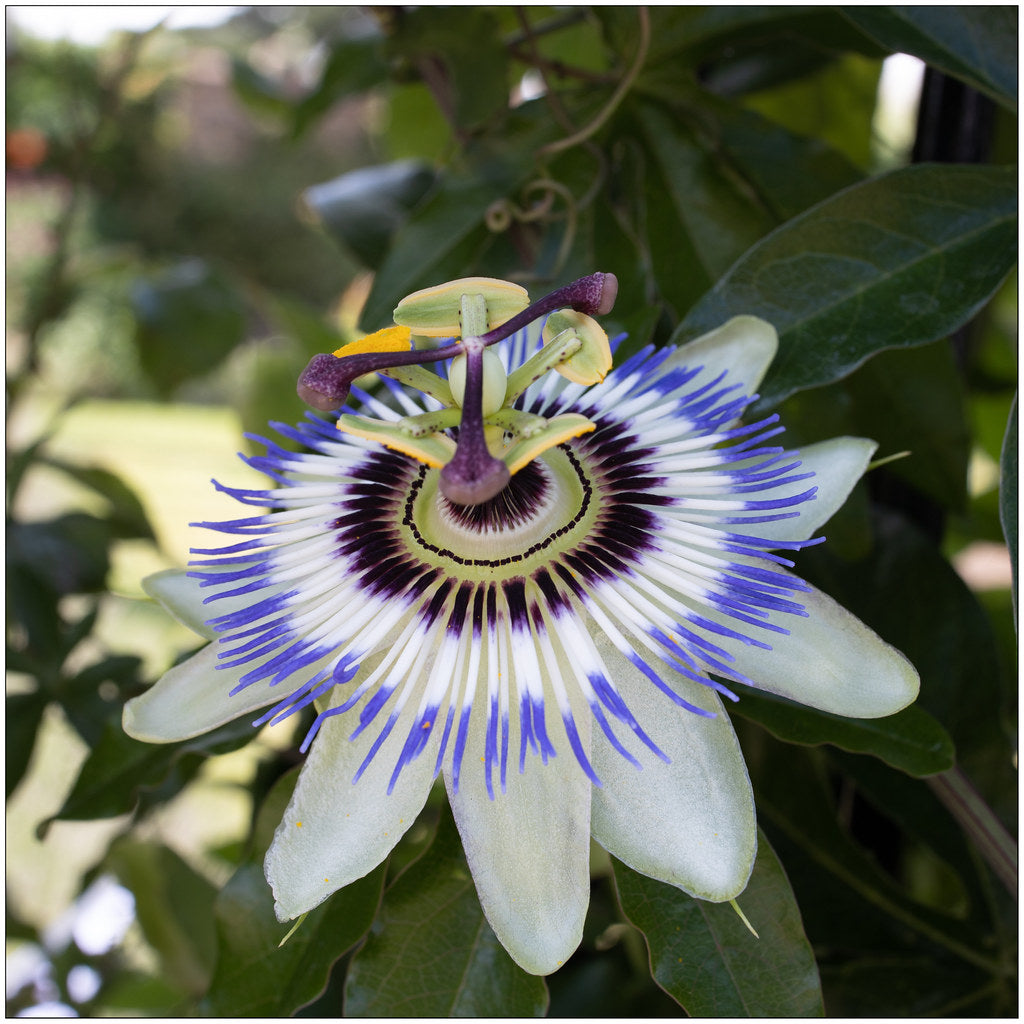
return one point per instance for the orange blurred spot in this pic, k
(26, 148)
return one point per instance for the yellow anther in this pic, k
(390, 339)
(434, 311)
(435, 450)
(559, 430)
(589, 364)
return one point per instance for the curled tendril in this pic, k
(502, 213)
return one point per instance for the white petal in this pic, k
(691, 822)
(529, 853)
(837, 465)
(181, 595)
(192, 698)
(742, 347)
(830, 661)
(335, 831)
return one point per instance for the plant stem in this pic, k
(617, 97)
(980, 824)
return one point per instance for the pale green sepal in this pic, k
(691, 822)
(742, 347)
(193, 698)
(830, 661)
(180, 595)
(837, 465)
(529, 853)
(346, 828)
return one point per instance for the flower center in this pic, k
(549, 503)
(494, 439)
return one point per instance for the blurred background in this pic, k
(183, 233)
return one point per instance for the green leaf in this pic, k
(188, 319)
(255, 976)
(432, 953)
(703, 955)
(303, 325)
(19, 462)
(908, 400)
(429, 248)
(911, 740)
(835, 104)
(364, 208)
(1008, 492)
(261, 93)
(909, 593)
(80, 695)
(737, 47)
(784, 170)
(354, 65)
(32, 603)
(174, 906)
(416, 129)
(913, 986)
(24, 712)
(459, 54)
(850, 900)
(977, 44)
(127, 515)
(446, 236)
(119, 769)
(913, 805)
(133, 994)
(701, 215)
(912, 399)
(263, 377)
(789, 171)
(69, 554)
(897, 261)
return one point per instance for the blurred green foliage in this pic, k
(193, 214)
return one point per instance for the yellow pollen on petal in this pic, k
(388, 339)
(298, 824)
